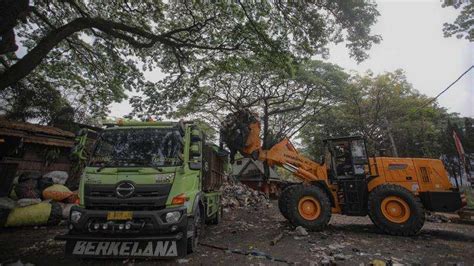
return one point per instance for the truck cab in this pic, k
(146, 192)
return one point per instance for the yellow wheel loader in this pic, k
(393, 192)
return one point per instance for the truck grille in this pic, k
(98, 196)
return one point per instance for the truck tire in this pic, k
(395, 210)
(283, 200)
(196, 226)
(308, 206)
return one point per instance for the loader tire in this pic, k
(283, 200)
(395, 210)
(308, 206)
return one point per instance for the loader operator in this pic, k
(343, 161)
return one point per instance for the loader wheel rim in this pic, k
(309, 208)
(395, 209)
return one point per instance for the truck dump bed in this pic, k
(212, 169)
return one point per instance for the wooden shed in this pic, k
(34, 148)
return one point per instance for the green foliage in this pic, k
(286, 99)
(376, 106)
(463, 26)
(113, 42)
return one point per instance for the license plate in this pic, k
(165, 248)
(119, 215)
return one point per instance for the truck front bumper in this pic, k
(86, 246)
(144, 234)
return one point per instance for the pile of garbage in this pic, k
(235, 130)
(236, 194)
(37, 200)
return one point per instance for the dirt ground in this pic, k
(348, 240)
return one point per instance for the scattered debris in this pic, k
(250, 253)
(301, 231)
(377, 262)
(341, 256)
(437, 218)
(236, 194)
(182, 261)
(276, 239)
(19, 263)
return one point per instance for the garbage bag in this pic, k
(27, 188)
(7, 203)
(3, 216)
(67, 210)
(37, 214)
(28, 176)
(74, 198)
(57, 192)
(58, 177)
(56, 214)
(44, 183)
(27, 202)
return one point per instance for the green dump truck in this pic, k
(147, 191)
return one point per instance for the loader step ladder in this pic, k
(353, 196)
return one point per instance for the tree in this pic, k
(92, 52)
(284, 102)
(463, 26)
(388, 112)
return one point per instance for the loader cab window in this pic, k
(359, 156)
(348, 158)
(343, 159)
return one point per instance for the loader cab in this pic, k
(348, 168)
(346, 157)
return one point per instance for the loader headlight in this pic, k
(173, 217)
(75, 216)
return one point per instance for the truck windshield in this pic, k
(150, 147)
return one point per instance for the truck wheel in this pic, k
(395, 210)
(308, 206)
(196, 226)
(283, 200)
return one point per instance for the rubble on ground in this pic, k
(301, 231)
(236, 194)
(436, 218)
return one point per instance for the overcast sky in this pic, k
(413, 41)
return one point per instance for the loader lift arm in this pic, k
(282, 154)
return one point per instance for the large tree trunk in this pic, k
(266, 168)
(32, 59)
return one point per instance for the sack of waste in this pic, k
(74, 198)
(44, 183)
(27, 202)
(44, 213)
(66, 210)
(58, 177)
(27, 189)
(57, 192)
(7, 203)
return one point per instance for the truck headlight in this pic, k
(75, 216)
(173, 217)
